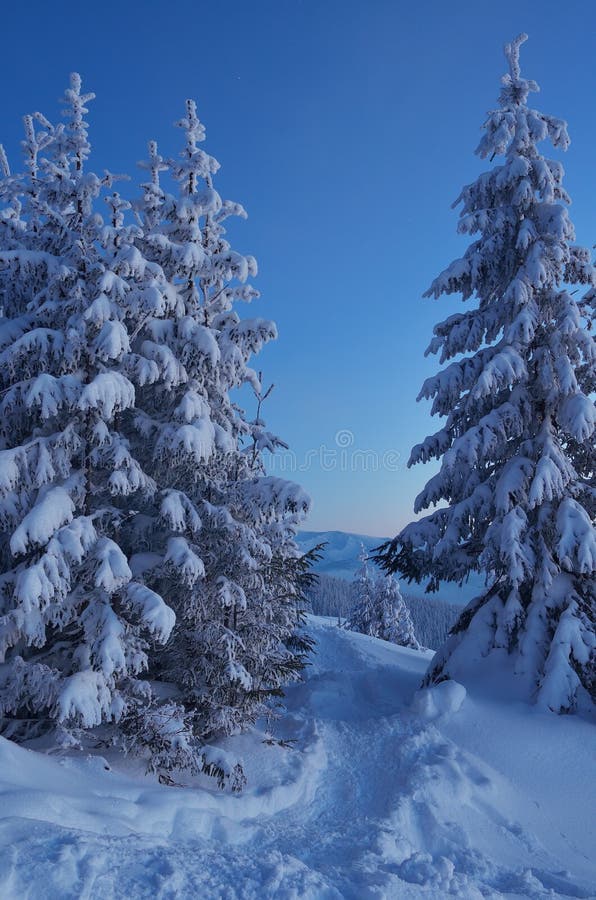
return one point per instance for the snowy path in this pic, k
(376, 803)
(399, 805)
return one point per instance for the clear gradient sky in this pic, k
(346, 129)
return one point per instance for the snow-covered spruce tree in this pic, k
(75, 626)
(364, 615)
(378, 607)
(217, 536)
(395, 621)
(517, 470)
(120, 446)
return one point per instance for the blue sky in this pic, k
(346, 129)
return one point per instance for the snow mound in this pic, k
(442, 699)
(369, 795)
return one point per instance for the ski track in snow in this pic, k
(384, 805)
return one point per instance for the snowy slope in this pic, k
(375, 800)
(341, 559)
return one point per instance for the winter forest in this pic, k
(189, 705)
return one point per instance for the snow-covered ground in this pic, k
(379, 798)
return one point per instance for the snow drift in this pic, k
(376, 797)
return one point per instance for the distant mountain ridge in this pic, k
(342, 552)
(341, 560)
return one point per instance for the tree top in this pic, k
(515, 88)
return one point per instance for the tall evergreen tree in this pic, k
(379, 609)
(75, 627)
(396, 625)
(517, 468)
(127, 472)
(219, 533)
(364, 615)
